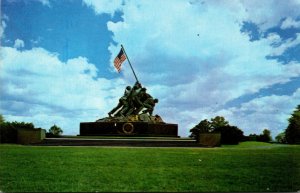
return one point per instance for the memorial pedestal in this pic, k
(128, 129)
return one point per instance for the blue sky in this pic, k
(68, 28)
(239, 59)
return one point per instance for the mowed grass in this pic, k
(246, 167)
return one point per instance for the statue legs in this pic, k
(149, 110)
(138, 110)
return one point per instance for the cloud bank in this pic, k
(40, 88)
(191, 55)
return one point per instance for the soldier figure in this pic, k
(134, 100)
(149, 105)
(138, 101)
(123, 102)
(138, 84)
(141, 98)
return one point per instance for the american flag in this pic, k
(121, 57)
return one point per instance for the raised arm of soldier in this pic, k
(138, 84)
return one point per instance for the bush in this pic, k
(252, 137)
(265, 136)
(230, 134)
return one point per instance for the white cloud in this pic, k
(289, 43)
(19, 44)
(194, 55)
(36, 41)
(4, 19)
(104, 6)
(271, 112)
(2, 28)
(290, 23)
(191, 56)
(274, 38)
(269, 13)
(198, 49)
(45, 2)
(40, 88)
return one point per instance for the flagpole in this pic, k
(129, 63)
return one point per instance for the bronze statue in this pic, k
(132, 115)
(149, 105)
(123, 102)
(133, 101)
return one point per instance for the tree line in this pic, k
(233, 135)
(229, 134)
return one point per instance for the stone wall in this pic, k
(210, 139)
(28, 136)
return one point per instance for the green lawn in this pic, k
(250, 166)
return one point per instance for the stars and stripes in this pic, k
(121, 57)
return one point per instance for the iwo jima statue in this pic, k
(133, 116)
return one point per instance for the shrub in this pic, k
(265, 136)
(230, 134)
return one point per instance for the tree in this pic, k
(22, 125)
(267, 132)
(265, 136)
(203, 127)
(252, 137)
(218, 122)
(280, 138)
(2, 120)
(292, 132)
(229, 134)
(55, 131)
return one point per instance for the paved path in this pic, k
(135, 142)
